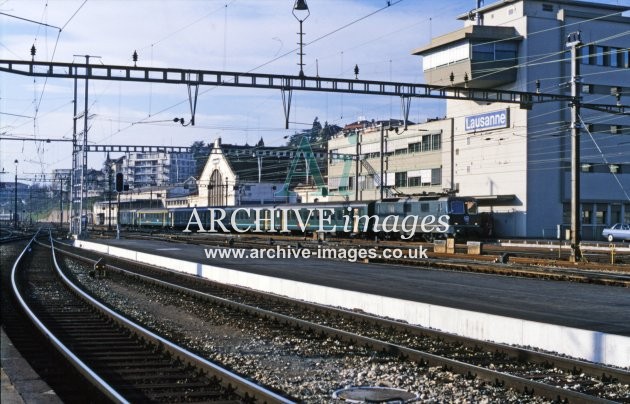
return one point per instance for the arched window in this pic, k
(216, 189)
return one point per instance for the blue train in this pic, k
(405, 218)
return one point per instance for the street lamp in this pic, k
(15, 211)
(300, 5)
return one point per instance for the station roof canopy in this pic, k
(495, 200)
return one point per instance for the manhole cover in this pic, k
(367, 394)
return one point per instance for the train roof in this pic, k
(434, 197)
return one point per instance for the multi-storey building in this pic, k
(392, 161)
(152, 168)
(518, 159)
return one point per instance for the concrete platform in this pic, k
(20, 383)
(588, 321)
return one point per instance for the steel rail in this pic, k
(240, 385)
(565, 363)
(84, 369)
(524, 385)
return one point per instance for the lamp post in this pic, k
(15, 211)
(257, 155)
(226, 191)
(300, 5)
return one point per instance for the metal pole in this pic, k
(574, 42)
(382, 159)
(356, 169)
(301, 52)
(85, 134)
(15, 211)
(453, 154)
(73, 174)
(118, 216)
(61, 203)
(109, 197)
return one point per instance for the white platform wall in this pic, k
(594, 346)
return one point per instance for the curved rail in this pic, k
(241, 386)
(85, 370)
(520, 384)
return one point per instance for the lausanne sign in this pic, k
(489, 120)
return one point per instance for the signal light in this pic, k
(119, 182)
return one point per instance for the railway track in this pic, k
(53, 369)
(526, 371)
(122, 360)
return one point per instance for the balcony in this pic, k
(478, 56)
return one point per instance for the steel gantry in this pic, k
(193, 78)
(285, 83)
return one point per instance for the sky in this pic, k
(232, 35)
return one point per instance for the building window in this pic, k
(483, 52)
(585, 54)
(400, 179)
(505, 51)
(400, 151)
(415, 147)
(600, 216)
(452, 54)
(436, 176)
(614, 57)
(547, 7)
(600, 55)
(415, 181)
(586, 213)
(436, 141)
(426, 142)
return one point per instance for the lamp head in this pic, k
(300, 5)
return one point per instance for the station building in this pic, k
(518, 160)
(257, 175)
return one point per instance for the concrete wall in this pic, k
(590, 345)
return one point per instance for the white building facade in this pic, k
(518, 160)
(153, 168)
(406, 162)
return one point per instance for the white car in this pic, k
(617, 232)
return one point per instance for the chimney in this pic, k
(478, 15)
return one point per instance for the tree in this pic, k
(200, 153)
(317, 135)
